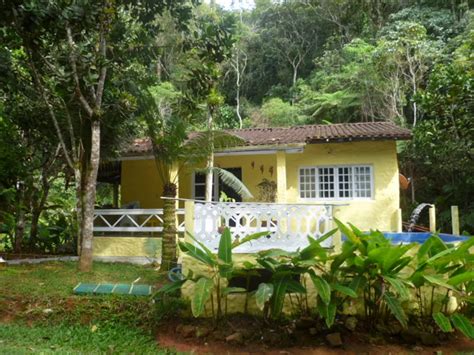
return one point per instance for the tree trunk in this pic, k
(210, 161)
(78, 182)
(415, 109)
(293, 86)
(88, 202)
(20, 218)
(237, 105)
(168, 249)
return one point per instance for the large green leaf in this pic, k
(463, 324)
(466, 245)
(358, 282)
(311, 251)
(347, 232)
(263, 294)
(295, 287)
(196, 253)
(172, 287)
(202, 293)
(323, 288)
(443, 322)
(225, 246)
(224, 253)
(325, 236)
(330, 314)
(395, 308)
(202, 245)
(400, 264)
(344, 290)
(249, 238)
(279, 291)
(387, 257)
(347, 251)
(399, 286)
(435, 257)
(425, 248)
(461, 278)
(434, 280)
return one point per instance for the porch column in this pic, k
(455, 220)
(432, 215)
(281, 176)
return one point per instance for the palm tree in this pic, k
(167, 117)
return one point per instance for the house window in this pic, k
(308, 183)
(199, 187)
(336, 182)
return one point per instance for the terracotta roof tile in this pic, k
(341, 132)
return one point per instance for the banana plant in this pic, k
(448, 269)
(375, 266)
(212, 285)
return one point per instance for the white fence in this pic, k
(133, 220)
(289, 224)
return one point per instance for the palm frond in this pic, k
(215, 140)
(229, 180)
(202, 144)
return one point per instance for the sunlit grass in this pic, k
(75, 339)
(59, 278)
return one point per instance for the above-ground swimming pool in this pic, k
(420, 237)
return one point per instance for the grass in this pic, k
(57, 279)
(40, 313)
(75, 339)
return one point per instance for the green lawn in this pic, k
(39, 312)
(75, 339)
(59, 278)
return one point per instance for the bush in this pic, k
(369, 268)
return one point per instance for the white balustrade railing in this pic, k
(289, 224)
(133, 220)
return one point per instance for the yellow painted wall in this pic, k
(380, 212)
(140, 180)
(127, 246)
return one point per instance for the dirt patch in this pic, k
(250, 335)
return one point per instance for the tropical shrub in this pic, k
(212, 286)
(382, 277)
(375, 266)
(444, 281)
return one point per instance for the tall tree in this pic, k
(72, 59)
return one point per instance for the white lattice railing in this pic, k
(133, 220)
(289, 224)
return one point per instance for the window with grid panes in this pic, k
(344, 182)
(308, 183)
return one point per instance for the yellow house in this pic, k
(351, 167)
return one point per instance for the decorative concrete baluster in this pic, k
(289, 224)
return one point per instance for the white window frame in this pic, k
(215, 192)
(336, 183)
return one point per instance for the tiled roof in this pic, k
(341, 132)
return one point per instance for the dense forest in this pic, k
(81, 80)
